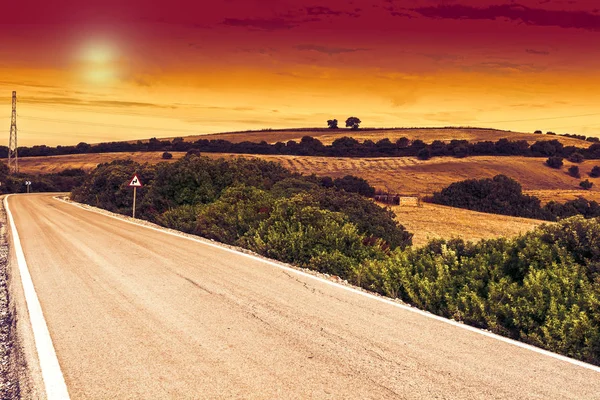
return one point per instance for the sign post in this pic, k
(135, 183)
(28, 184)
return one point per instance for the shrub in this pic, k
(424, 154)
(576, 158)
(167, 156)
(587, 185)
(500, 195)
(238, 210)
(554, 162)
(574, 171)
(300, 233)
(353, 184)
(595, 172)
(181, 218)
(538, 132)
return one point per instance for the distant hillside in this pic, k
(407, 175)
(428, 135)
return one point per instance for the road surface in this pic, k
(135, 313)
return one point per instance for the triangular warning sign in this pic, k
(135, 182)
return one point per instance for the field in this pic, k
(403, 175)
(406, 175)
(435, 221)
(427, 135)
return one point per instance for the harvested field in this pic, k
(434, 221)
(405, 175)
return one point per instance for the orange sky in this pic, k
(103, 70)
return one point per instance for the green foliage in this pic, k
(500, 195)
(239, 209)
(182, 218)
(353, 184)
(370, 218)
(542, 288)
(107, 186)
(298, 231)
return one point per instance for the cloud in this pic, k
(537, 52)
(75, 101)
(327, 50)
(515, 12)
(318, 11)
(271, 24)
(502, 67)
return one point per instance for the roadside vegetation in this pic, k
(542, 287)
(63, 181)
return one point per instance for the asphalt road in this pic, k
(138, 314)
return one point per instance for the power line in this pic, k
(99, 124)
(540, 119)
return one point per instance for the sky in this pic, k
(93, 71)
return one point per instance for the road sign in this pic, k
(135, 182)
(28, 183)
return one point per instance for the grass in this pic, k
(434, 221)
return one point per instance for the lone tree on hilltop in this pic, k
(353, 122)
(332, 123)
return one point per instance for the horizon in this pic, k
(104, 71)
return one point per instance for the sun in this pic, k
(99, 62)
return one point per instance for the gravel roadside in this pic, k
(9, 383)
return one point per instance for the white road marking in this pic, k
(54, 381)
(353, 290)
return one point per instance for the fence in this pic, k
(396, 199)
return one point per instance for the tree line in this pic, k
(341, 147)
(503, 195)
(541, 288)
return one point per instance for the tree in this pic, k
(538, 132)
(332, 123)
(576, 158)
(595, 173)
(587, 185)
(424, 154)
(353, 122)
(554, 162)
(574, 171)
(167, 156)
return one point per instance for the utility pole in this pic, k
(13, 155)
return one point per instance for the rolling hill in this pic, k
(428, 135)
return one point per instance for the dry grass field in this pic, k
(433, 221)
(427, 135)
(406, 175)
